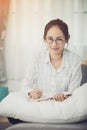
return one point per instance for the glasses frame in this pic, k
(58, 41)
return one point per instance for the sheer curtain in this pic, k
(4, 6)
(27, 19)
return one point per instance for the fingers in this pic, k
(66, 96)
(60, 97)
(35, 93)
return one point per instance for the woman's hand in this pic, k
(35, 93)
(60, 97)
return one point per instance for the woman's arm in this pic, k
(30, 86)
(74, 82)
(30, 80)
(76, 76)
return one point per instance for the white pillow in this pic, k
(71, 110)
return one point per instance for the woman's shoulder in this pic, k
(72, 57)
(40, 56)
(68, 53)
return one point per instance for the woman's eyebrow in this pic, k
(56, 37)
(60, 37)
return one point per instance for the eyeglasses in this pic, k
(58, 41)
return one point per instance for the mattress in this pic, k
(38, 126)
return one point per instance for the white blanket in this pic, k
(73, 109)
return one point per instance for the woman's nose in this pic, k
(54, 43)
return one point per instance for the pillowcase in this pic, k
(71, 110)
(3, 92)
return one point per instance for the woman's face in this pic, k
(55, 40)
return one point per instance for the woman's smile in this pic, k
(55, 49)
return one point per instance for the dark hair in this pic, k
(57, 22)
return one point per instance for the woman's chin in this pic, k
(56, 52)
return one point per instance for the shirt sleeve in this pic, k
(30, 80)
(76, 75)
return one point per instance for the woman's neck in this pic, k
(55, 58)
(56, 61)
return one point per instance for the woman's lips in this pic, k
(55, 49)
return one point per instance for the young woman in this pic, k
(57, 71)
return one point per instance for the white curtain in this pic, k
(27, 19)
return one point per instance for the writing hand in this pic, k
(35, 93)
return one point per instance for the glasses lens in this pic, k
(59, 41)
(49, 40)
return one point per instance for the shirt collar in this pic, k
(65, 59)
